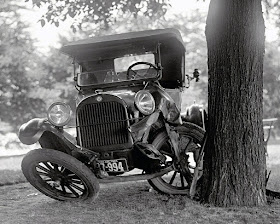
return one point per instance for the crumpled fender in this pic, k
(168, 107)
(31, 132)
(140, 130)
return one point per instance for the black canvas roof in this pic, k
(117, 45)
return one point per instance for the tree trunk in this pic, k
(235, 156)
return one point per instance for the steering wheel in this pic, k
(128, 73)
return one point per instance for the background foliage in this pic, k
(18, 64)
(31, 80)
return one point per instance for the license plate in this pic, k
(113, 165)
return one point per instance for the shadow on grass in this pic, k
(132, 202)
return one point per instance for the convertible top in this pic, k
(172, 50)
(111, 46)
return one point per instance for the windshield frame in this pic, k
(98, 71)
(122, 83)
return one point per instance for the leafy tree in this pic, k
(272, 11)
(271, 65)
(17, 63)
(271, 91)
(99, 12)
(235, 156)
(30, 80)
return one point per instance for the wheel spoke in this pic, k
(63, 169)
(44, 174)
(47, 165)
(72, 190)
(182, 180)
(76, 181)
(47, 180)
(173, 177)
(43, 168)
(77, 187)
(72, 177)
(63, 188)
(55, 166)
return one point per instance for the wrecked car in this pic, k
(128, 120)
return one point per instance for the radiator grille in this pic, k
(102, 124)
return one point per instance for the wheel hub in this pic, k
(55, 183)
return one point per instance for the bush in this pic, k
(10, 144)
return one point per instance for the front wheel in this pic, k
(175, 182)
(59, 175)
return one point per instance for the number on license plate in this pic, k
(116, 165)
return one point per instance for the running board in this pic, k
(134, 177)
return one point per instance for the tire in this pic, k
(59, 175)
(174, 182)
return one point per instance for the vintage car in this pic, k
(128, 120)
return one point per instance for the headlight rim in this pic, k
(137, 102)
(69, 114)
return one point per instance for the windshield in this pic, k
(127, 68)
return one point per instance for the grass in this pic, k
(9, 177)
(133, 202)
(128, 203)
(274, 179)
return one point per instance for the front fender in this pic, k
(32, 131)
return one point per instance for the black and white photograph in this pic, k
(139, 111)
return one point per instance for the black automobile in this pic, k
(128, 120)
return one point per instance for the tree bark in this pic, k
(235, 160)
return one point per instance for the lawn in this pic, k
(133, 202)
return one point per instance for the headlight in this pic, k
(59, 114)
(145, 102)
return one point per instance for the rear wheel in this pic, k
(59, 175)
(175, 182)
